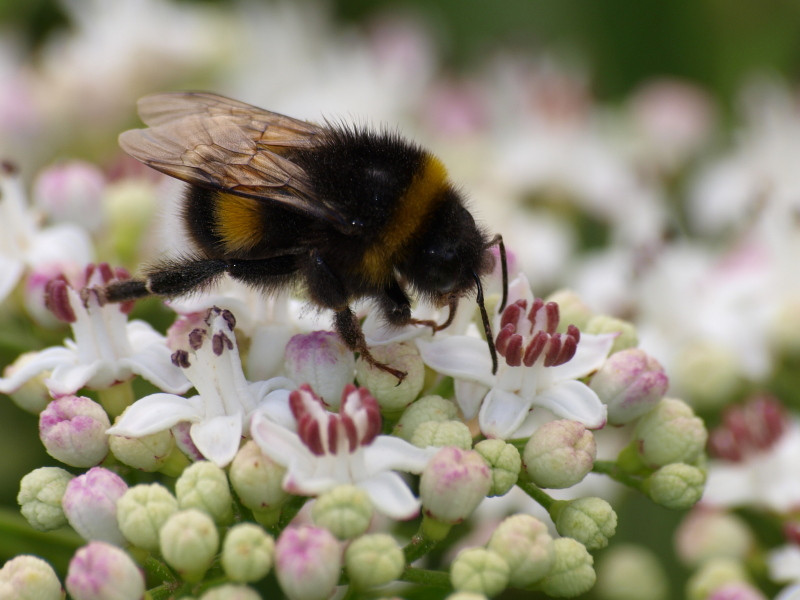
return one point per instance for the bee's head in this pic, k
(449, 255)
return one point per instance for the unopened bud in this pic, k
(505, 462)
(427, 408)
(442, 433)
(589, 520)
(631, 572)
(559, 454)
(142, 511)
(73, 431)
(231, 591)
(393, 397)
(670, 433)
(189, 541)
(100, 571)
(90, 503)
(322, 360)
(677, 486)
(247, 553)
(147, 453)
(307, 562)
(204, 486)
(453, 483)
(28, 577)
(629, 383)
(258, 482)
(572, 573)
(40, 495)
(625, 330)
(374, 560)
(346, 511)
(525, 544)
(479, 570)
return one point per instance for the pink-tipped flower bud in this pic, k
(100, 571)
(72, 192)
(453, 484)
(630, 383)
(73, 431)
(321, 360)
(90, 504)
(307, 562)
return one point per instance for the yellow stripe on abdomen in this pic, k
(410, 213)
(237, 221)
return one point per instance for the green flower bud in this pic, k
(670, 433)
(707, 533)
(589, 520)
(677, 486)
(525, 544)
(427, 408)
(247, 553)
(479, 570)
(627, 338)
(142, 511)
(708, 373)
(28, 577)
(129, 205)
(505, 462)
(40, 494)
(714, 574)
(453, 483)
(258, 481)
(231, 591)
(189, 541)
(631, 572)
(571, 310)
(442, 433)
(147, 453)
(572, 573)
(346, 511)
(559, 454)
(392, 396)
(204, 486)
(374, 560)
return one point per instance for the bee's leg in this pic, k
(326, 289)
(452, 305)
(395, 305)
(346, 323)
(169, 278)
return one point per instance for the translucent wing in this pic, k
(213, 141)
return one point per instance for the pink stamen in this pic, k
(56, 299)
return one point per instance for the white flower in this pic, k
(332, 449)
(107, 349)
(23, 244)
(539, 367)
(221, 411)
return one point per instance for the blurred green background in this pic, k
(715, 43)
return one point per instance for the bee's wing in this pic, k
(213, 141)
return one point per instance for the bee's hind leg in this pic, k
(346, 323)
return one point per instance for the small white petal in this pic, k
(575, 401)
(387, 452)
(218, 438)
(68, 379)
(502, 412)
(155, 413)
(10, 271)
(390, 495)
(459, 356)
(46, 360)
(157, 368)
(469, 395)
(590, 355)
(280, 444)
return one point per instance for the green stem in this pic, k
(418, 547)
(610, 468)
(537, 494)
(438, 579)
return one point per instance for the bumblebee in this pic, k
(273, 201)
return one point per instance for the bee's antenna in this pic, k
(498, 240)
(487, 328)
